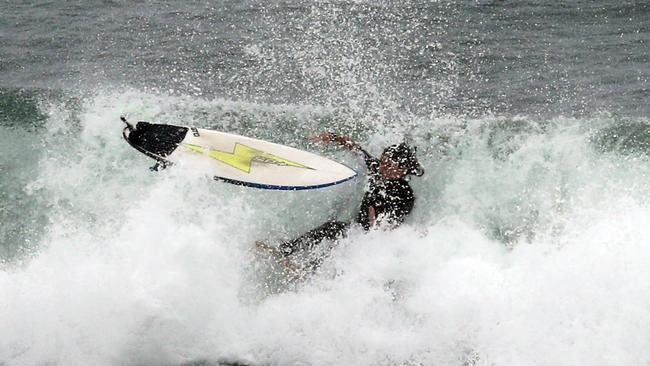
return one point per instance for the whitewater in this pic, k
(527, 246)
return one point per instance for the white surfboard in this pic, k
(238, 159)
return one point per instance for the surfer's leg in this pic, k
(275, 254)
(330, 230)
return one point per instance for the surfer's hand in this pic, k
(328, 137)
(325, 137)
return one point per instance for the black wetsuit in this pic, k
(391, 199)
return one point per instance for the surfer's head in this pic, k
(398, 161)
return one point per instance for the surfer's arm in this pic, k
(372, 216)
(329, 137)
(348, 143)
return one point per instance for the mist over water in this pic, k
(527, 244)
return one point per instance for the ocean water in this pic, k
(528, 244)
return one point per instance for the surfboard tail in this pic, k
(154, 140)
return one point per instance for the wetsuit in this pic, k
(391, 199)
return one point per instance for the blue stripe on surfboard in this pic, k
(282, 188)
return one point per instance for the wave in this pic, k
(526, 244)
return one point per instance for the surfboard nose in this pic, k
(154, 140)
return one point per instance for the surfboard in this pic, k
(237, 159)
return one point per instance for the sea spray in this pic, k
(511, 254)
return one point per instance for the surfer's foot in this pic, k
(292, 270)
(272, 252)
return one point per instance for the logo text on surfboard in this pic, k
(242, 156)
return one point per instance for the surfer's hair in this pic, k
(404, 156)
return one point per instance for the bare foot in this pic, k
(293, 270)
(271, 251)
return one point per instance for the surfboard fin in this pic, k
(160, 165)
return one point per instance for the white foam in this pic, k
(156, 268)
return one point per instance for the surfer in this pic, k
(387, 201)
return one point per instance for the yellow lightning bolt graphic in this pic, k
(242, 156)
